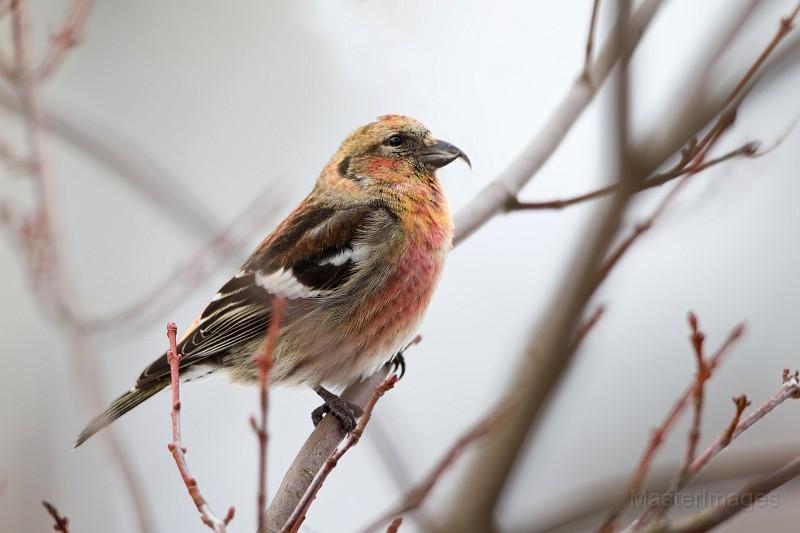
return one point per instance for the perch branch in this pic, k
(176, 448)
(298, 515)
(490, 202)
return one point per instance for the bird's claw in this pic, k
(345, 412)
(398, 362)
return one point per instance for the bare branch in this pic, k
(61, 522)
(707, 519)
(64, 39)
(176, 447)
(264, 363)
(658, 435)
(395, 525)
(415, 497)
(741, 402)
(747, 150)
(697, 339)
(494, 198)
(313, 454)
(298, 515)
(738, 501)
(587, 62)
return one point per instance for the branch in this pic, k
(697, 339)
(264, 363)
(747, 150)
(415, 497)
(587, 62)
(61, 522)
(491, 201)
(176, 448)
(298, 515)
(743, 499)
(738, 501)
(318, 446)
(658, 435)
(494, 198)
(64, 39)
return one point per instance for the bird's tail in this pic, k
(119, 407)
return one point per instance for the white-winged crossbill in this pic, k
(356, 262)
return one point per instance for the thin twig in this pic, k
(61, 522)
(177, 449)
(790, 388)
(494, 198)
(741, 403)
(415, 497)
(659, 433)
(747, 150)
(64, 39)
(298, 515)
(587, 325)
(264, 363)
(587, 62)
(395, 525)
(697, 339)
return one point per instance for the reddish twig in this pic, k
(658, 434)
(416, 496)
(61, 522)
(298, 515)
(697, 339)
(790, 388)
(587, 325)
(741, 402)
(64, 39)
(176, 447)
(395, 525)
(734, 99)
(682, 169)
(264, 363)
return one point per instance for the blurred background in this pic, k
(223, 104)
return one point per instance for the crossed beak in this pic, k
(440, 154)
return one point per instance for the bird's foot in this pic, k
(398, 362)
(346, 412)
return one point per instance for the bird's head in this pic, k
(392, 150)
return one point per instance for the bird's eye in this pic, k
(394, 140)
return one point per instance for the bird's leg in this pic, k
(346, 412)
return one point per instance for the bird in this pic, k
(355, 265)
